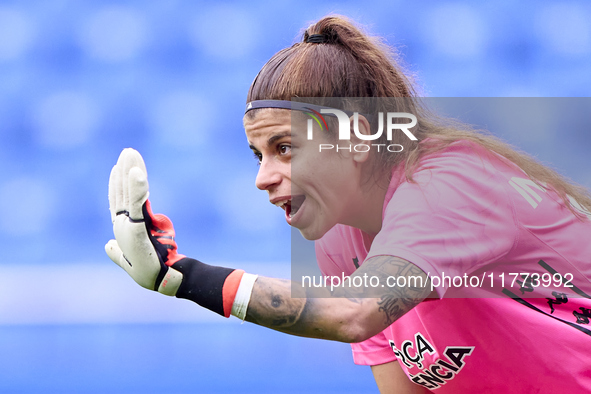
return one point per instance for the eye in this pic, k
(284, 149)
(258, 157)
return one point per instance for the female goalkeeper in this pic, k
(401, 204)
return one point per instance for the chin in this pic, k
(312, 234)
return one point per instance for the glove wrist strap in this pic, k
(243, 293)
(205, 284)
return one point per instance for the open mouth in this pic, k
(291, 206)
(295, 205)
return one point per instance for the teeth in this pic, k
(282, 204)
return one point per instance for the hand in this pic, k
(144, 243)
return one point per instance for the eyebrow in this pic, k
(272, 139)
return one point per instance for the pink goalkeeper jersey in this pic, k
(472, 213)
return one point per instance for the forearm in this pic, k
(284, 306)
(348, 315)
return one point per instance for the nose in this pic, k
(269, 175)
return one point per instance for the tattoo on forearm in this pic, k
(393, 301)
(272, 306)
(394, 308)
(286, 306)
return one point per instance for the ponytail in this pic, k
(346, 63)
(381, 74)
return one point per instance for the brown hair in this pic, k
(353, 64)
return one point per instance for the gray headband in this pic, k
(286, 104)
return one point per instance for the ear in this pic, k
(361, 147)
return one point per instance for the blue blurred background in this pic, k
(81, 80)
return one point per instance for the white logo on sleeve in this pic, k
(526, 187)
(529, 190)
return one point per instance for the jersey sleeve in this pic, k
(373, 351)
(454, 219)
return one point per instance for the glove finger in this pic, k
(138, 192)
(134, 159)
(114, 252)
(121, 164)
(129, 159)
(118, 185)
(113, 193)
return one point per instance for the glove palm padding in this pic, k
(144, 243)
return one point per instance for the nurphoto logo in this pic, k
(344, 129)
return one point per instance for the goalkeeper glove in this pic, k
(145, 248)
